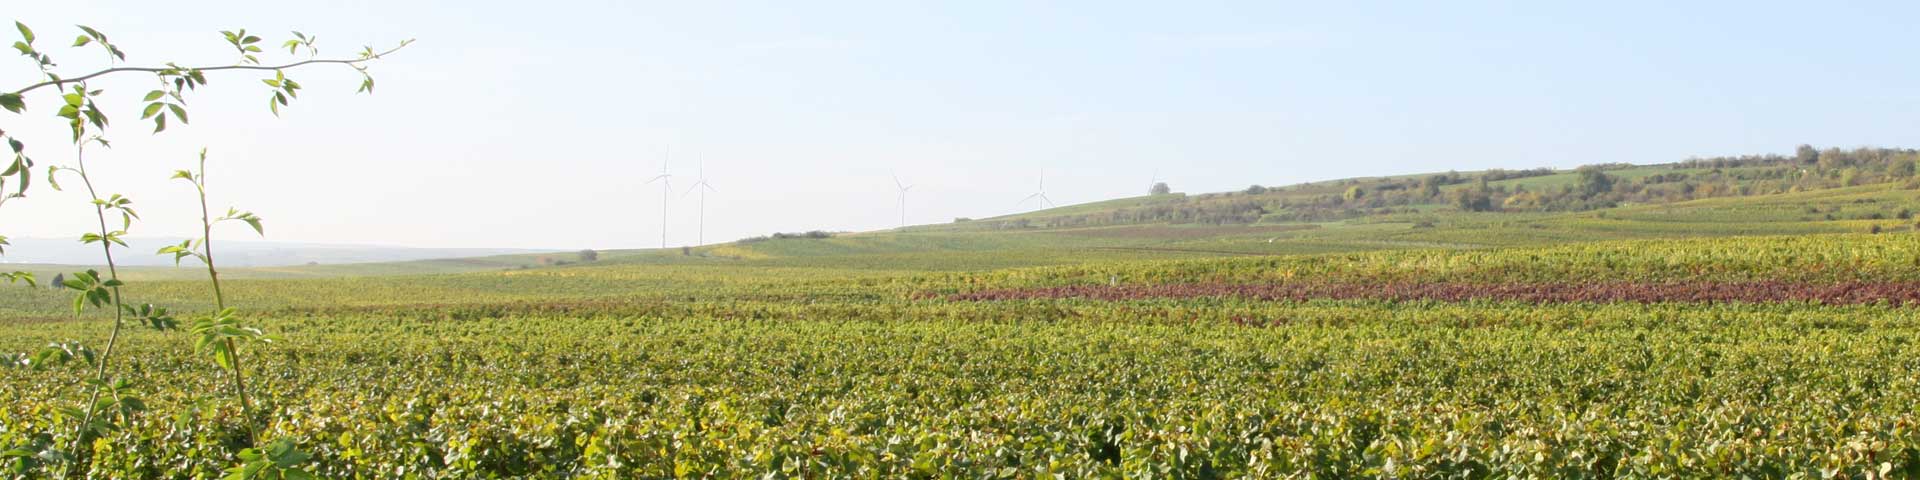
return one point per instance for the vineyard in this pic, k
(1758, 357)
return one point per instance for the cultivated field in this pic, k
(898, 360)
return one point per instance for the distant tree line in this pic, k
(1592, 187)
(815, 234)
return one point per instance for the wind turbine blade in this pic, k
(897, 184)
(655, 179)
(1043, 197)
(1024, 200)
(709, 187)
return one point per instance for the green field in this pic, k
(856, 356)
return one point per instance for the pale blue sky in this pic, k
(533, 124)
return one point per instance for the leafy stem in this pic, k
(106, 238)
(219, 332)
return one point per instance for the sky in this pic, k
(518, 124)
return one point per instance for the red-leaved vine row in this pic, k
(1902, 293)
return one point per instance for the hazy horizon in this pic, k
(515, 127)
(238, 252)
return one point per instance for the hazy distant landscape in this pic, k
(242, 253)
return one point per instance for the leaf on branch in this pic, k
(153, 317)
(12, 102)
(25, 33)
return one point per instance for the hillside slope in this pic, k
(1834, 191)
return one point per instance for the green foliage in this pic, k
(244, 44)
(278, 460)
(57, 354)
(151, 316)
(1902, 169)
(11, 277)
(91, 290)
(1595, 181)
(27, 455)
(86, 118)
(1476, 199)
(725, 388)
(217, 336)
(655, 365)
(245, 217)
(32, 447)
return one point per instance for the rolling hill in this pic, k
(1863, 190)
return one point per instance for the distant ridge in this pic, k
(237, 253)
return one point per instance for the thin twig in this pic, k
(83, 78)
(113, 273)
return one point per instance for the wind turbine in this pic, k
(903, 199)
(666, 189)
(703, 187)
(1042, 194)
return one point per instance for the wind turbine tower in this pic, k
(666, 191)
(703, 187)
(903, 199)
(1041, 194)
